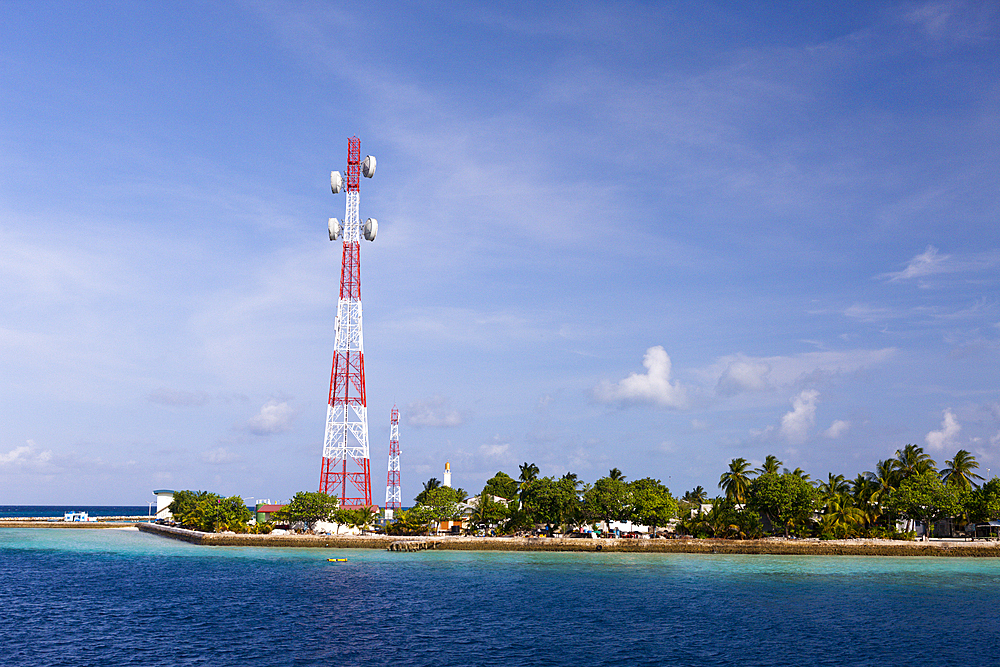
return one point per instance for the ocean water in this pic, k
(120, 597)
(58, 511)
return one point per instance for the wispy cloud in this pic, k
(925, 264)
(220, 456)
(738, 373)
(432, 412)
(652, 387)
(27, 455)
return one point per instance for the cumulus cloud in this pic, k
(274, 417)
(433, 412)
(743, 374)
(950, 429)
(837, 429)
(178, 398)
(653, 387)
(25, 455)
(795, 425)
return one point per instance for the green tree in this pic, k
(912, 460)
(489, 513)
(616, 475)
(771, 464)
(833, 486)
(309, 507)
(607, 499)
(983, 504)
(961, 470)
(439, 492)
(786, 499)
(210, 512)
(502, 486)
(441, 502)
(735, 482)
(924, 498)
(651, 503)
(696, 496)
(550, 501)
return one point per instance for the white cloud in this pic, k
(837, 429)
(926, 263)
(274, 417)
(25, 455)
(653, 387)
(795, 425)
(734, 374)
(219, 455)
(495, 451)
(950, 429)
(433, 412)
(743, 374)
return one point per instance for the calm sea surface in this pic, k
(120, 597)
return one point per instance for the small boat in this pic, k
(337, 560)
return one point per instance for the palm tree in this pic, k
(960, 470)
(771, 464)
(884, 476)
(841, 516)
(912, 460)
(432, 483)
(798, 472)
(735, 481)
(616, 475)
(834, 485)
(867, 493)
(529, 472)
(697, 495)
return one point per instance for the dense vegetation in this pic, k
(211, 513)
(906, 490)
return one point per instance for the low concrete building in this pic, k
(163, 499)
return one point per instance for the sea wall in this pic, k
(454, 543)
(104, 522)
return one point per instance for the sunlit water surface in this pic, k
(120, 597)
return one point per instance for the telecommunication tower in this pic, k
(393, 494)
(346, 470)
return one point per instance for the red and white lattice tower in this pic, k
(393, 494)
(346, 470)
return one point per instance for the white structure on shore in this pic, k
(447, 474)
(163, 499)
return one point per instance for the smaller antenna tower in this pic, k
(393, 494)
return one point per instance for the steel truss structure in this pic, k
(393, 494)
(346, 469)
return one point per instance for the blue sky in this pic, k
(646, 236)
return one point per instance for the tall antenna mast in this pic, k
(393, 494)
(346, 469)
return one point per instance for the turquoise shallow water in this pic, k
(98, 597)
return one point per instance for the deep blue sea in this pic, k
(58, 511)
(120, 597)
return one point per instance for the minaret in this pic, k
(447, 474)
(346, 469)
